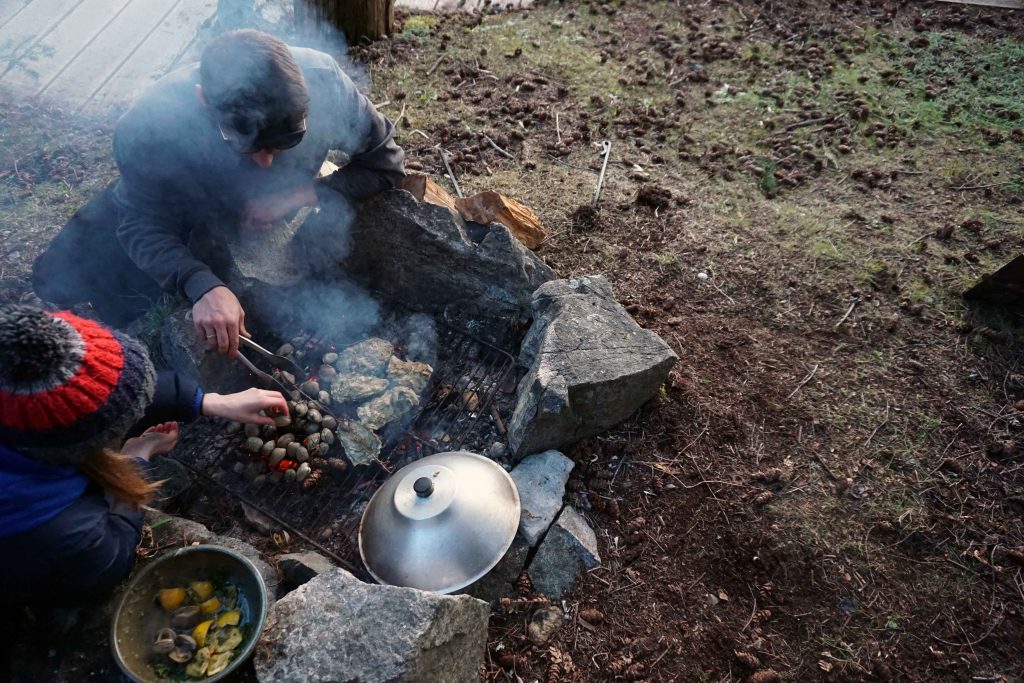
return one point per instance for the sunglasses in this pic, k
(264, 140)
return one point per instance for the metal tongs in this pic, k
(266, 379)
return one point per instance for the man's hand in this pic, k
(219, 319)
(246, 406)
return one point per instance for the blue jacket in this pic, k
(62, 540)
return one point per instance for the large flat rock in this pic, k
(336, 628)
(591, 366)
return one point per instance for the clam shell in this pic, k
(293, 449)
(330, 358)
(284, 440)
(302, 472)
(328, 422)
(253, 444)
(276, 456)
(252, 430)
(282, 421)
(268, 447)
(232, 427)
(310, 388)
(289, 475)
(302, 455)
(327, 436)
(285, 350)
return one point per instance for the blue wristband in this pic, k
(197, 404)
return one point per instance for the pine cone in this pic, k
(764, 676)
(748, 660)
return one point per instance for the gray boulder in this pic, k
(299, 568)
(541, 482)
(337, 628)
(591, 366)
(426, 256)
(569, 549)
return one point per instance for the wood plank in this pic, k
(154, 55)
(101, 58)
(65, 42)
(9, 8)
(1007, 4)
(27, 29)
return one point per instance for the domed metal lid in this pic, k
(440, 523)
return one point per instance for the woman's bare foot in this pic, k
(156, 440)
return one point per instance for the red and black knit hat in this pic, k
(68, 386)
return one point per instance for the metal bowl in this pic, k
(137, 620)
(440, 523)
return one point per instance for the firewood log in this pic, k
(491, 207)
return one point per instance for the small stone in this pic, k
(298, 568)
(543, 624)
(702, 276)
(568, 549)
(330, 358)
(540, 480)
(496, 451)
(257, 520)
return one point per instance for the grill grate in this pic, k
(471, 394)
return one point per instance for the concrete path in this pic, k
(99, 54)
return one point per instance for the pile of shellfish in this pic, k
(335, 416)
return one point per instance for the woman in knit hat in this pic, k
(70, 485)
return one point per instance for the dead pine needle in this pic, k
(804, 381)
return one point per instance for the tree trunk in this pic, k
(358, 19)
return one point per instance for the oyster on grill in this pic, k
(368, 357)
(361, 445)
(409, 374)
(352, 387)
(391, 406)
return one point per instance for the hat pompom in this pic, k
(32, 344)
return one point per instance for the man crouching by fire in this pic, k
(232, 143)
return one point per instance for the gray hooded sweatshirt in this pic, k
(179, 175)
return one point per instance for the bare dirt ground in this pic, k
(829, 487)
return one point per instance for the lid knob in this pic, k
(423, 487)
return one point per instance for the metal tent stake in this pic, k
(606, 149)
